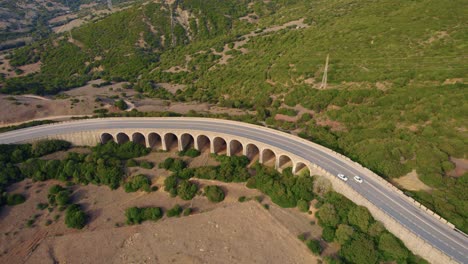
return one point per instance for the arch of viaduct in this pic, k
(221, 144)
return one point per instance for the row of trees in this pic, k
(362, 239)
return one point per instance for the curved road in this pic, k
(440, 235)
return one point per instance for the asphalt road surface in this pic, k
(440, 235)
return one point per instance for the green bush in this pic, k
(303, 206)
(75, 217)
(186, 190)
(121, 104)
(138, 183)
(214, 193)
(146, 165)
(136, 215)
(62, 198)
(328, 234)
(15, 199)
(174, 211)
(314, 246)
(131, 163)
(190, 153)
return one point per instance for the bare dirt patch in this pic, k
(411, 182)
(243, 233)
(461, 167)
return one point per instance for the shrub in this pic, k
(121, 104)
(41, 206)
(303, 206)
(328, 234)
(174, 211)
(214, 193)
(131, 163)
(15, 199)
(186, 211)
(242, 199)
(190, 153)
(146, 165)
(55, 189)
(138, 182)
(314, 246)
(62, 198)
(302, 237)
(136, 215)
(186, 190)
(75, 217)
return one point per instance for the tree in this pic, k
(75, 217)
(303, 206)
(214, 193)
(121, 104)
(174, 211)
(328, 234)
(375, 229)
(15, 199)
(327, 215)
(62, 198)
(138, 182)
(314, 246)
(343, 233)
(392, 249)
(186, 190)
(360, 250)
(359, 216)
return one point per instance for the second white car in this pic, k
(358, 179)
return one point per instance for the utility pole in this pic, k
(324, 79)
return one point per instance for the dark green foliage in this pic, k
(303, 206)
(170, 183)
(392, 248)
(126, 150)
(44, 147)
(187, 211)
(328, 234)
(242, 199)
(146, 165)
(42, 206)
(214, 193)
(136, 215)
(301, 237)
(314, 246)
(174, 211)
(121, 104)
(75, 217)
(62, 198)
(186, 190)
(172, 164)
(190, 153)
(362, 239)
(138, 183)
(284, 189)
(131, 163)
(360, 250)
(15, 199)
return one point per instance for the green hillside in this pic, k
(396, 95)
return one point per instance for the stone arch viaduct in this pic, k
(221, 144)
(422, 231)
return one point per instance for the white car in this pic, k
(358, 179)
(342, 176)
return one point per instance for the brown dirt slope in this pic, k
(241, 233)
